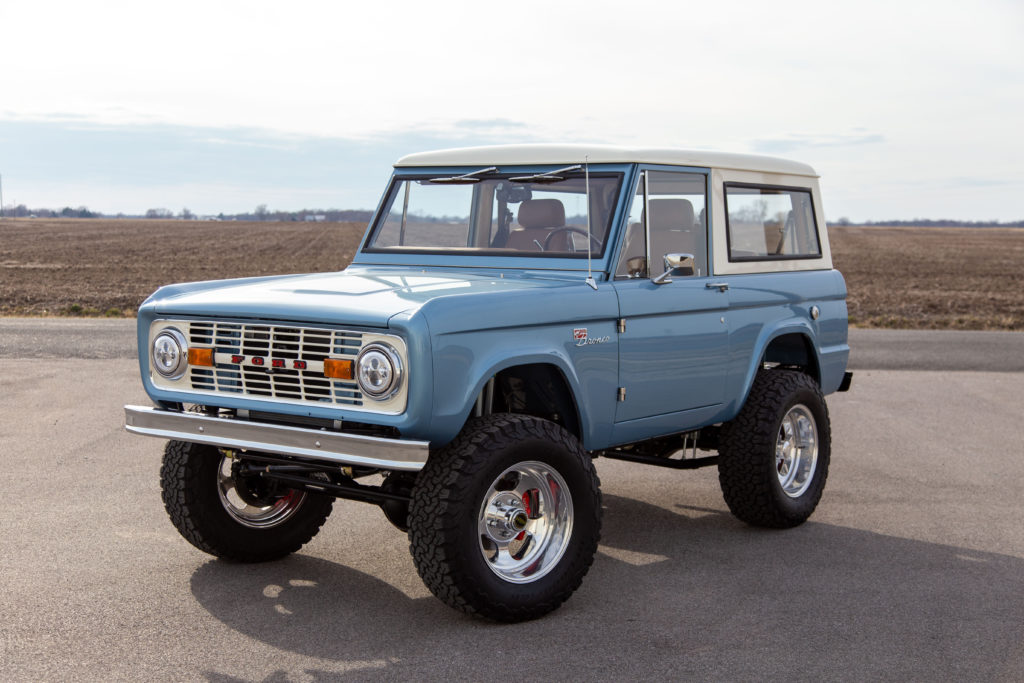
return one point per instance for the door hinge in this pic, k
(622, 325)
(622, 394)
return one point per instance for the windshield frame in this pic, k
(488, 258)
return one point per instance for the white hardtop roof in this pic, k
(539, 154)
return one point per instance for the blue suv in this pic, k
(513, 313)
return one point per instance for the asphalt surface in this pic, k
(82, 338)
(911, 568)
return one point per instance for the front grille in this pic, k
(270, 342)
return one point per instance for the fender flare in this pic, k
(768, 334)
(490, 367)
(555, 360)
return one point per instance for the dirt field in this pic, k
(933, 278)
(107, 267)
(942, 278)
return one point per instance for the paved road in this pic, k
(912, 567)
(936, 350)
(67, 338)
(870, 349)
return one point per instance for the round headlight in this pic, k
(379, 371)
(170, 353)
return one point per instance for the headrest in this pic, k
(671, 214)
(542, 213)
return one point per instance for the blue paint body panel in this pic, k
(686, 359)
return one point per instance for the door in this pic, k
(673, 353)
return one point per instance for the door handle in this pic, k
(720, 286)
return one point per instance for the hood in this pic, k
(357, 296)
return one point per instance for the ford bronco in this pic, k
(513, 313)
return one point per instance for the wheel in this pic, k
(245, 519)
(773, 457)
(504, 521)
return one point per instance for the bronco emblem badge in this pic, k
(580, 335)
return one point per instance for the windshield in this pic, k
(506, 214)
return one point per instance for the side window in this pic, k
(669, 210)
(770, 223)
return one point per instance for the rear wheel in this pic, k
(774, 455)
(504, 522)
(241, 518)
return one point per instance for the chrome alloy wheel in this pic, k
(246, 509)
(796, 451)
(525, 522)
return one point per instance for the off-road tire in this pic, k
(747, 468)
(446, 506)
(188, 480)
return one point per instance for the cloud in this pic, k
(458, 132)
(246, 143)
(489, 123)
(798, 141)
(131, 167)
(982, 182)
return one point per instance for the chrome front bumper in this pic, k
(345, 449)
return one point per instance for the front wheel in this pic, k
(234, 517)
(504, 521)
(774, 455)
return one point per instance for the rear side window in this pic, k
(770, 223)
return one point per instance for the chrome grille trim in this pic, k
(282, 342)
(287, 342)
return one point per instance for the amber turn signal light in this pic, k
(200, 357)
(337, 368)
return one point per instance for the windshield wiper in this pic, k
(547, 177)
(465, 178)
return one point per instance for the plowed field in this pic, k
(933, 278)
(942, 278)
(108, 267)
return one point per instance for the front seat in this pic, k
(537, 218)
(672, 232)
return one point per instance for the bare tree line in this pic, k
(262, 213)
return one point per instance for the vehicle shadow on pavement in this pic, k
(683, 592)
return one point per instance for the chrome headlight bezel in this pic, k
(379, 351)
(178, 347)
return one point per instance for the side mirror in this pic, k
(679, 264)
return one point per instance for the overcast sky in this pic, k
(906, 109)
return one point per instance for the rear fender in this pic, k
(764, 341)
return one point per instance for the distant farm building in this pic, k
(315, 218)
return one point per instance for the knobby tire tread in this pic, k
(447, 481)
(749, 484)
(184, 477)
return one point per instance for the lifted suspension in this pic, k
(340, 483)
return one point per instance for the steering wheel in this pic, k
(569, 228)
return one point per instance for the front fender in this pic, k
(464, 362)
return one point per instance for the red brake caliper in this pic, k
(529, 504)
